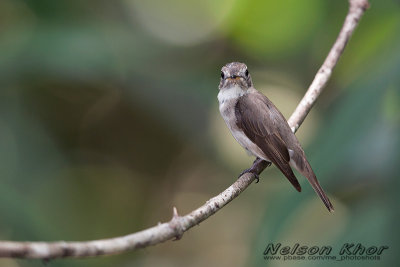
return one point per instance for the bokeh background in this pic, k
(109, 118)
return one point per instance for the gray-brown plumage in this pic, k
(260, 127)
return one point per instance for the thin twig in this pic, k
(356, 10)
(180, 224)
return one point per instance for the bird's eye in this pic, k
(222, 75)
(247, 73)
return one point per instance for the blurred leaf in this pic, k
(274, 28)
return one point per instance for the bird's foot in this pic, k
(258, 166)
(251, 170)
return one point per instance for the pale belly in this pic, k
(228, 114)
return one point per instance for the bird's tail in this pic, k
(320, 192)
(310, 175)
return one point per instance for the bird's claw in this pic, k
(243, 172)
(250, 170)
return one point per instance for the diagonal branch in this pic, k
(356, 10)
(180, 224)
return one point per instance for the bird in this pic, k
(261, 129)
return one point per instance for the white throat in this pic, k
(230, 93)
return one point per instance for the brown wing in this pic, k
(254, 118)
(262, 123)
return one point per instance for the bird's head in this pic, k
(235, 74)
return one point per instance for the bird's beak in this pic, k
(234, 78)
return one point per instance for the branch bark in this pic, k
(356, 10)
(180, 224)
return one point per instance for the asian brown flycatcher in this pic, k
(260, 127)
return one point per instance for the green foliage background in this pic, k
(109, 118)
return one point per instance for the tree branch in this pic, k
(356, 10)
(180, 224)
